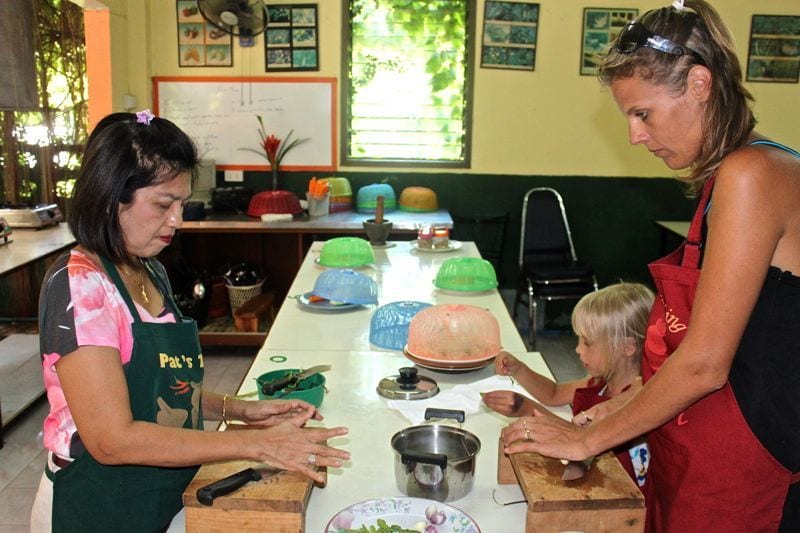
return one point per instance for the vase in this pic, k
(275, 172)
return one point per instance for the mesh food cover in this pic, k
(388, 327)
(347, 286)
(274, 202)
(454, 332)
(346, 252)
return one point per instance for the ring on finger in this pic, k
(312, 459)
(525, 425)
(527, 434)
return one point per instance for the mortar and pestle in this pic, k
(378, 228)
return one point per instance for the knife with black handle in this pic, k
(270, 388)
(208, 493)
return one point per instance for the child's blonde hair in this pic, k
(613, 314)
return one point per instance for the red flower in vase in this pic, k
(274, 149)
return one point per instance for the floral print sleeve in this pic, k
(79, 306)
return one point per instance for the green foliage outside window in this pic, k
(407, 81)
(40, 151)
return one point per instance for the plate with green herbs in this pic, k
(401, 515)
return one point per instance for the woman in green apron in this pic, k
(123, 368)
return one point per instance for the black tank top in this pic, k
(765, 374)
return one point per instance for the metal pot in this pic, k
(435, 461)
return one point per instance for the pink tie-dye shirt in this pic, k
(80, 306)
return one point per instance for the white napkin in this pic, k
(465, 398)
(276, 217)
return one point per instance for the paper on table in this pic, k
(465, 398)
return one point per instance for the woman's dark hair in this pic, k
(121, 157)
(728, 119)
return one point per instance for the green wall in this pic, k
(612, 219)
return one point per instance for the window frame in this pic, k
(345, 100)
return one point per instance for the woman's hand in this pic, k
(546, 435)
(272, 412)
(506, 364)
(289, 446)
(508, 403)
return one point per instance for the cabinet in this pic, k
(277, 248)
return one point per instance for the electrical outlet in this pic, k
(234, 175)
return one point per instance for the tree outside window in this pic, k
(40, 151)
(407, 82)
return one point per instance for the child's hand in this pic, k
(506, 364)
(505, 402)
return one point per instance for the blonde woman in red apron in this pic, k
(721, 400)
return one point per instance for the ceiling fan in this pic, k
(245, 18)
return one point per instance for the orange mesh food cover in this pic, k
(454, 332)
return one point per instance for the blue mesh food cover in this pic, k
(388, 327)
(346, 286)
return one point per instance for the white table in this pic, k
(401, 273)
(352, 401)
(341, 339)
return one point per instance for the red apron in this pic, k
(708, 471)
(587, 397)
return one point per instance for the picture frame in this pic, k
(510, 32)
(774, 51)
(291, 40)
(200, 43)
(601, 26)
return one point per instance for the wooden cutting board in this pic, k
(277, 503)
(606, 499)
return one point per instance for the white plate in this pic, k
(408, 513)
(452, 246)
(459, 362)
(324, 305)
(351, 267)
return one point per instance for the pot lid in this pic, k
(407, 385)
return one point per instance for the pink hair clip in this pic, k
(144, 117)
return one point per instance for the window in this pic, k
(406, 78)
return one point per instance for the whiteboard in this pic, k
(219, 114)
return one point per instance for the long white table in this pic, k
(401, 273)
(341, 339)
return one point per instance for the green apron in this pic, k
(164, 376)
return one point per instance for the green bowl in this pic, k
(346, 252)
(468, 274)
(310, 389)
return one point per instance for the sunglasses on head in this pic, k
(635, 36)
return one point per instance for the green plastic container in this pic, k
(310, 389)
(468, 274)
(346, 252)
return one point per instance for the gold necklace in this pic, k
(139, 282)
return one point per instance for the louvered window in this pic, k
(406, 78)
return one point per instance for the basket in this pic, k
(240, 295)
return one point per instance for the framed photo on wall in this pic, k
(510, 30)
(774, 52)
(201, 44)
(600, 28)
(291, 40)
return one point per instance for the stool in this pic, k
(249, 316)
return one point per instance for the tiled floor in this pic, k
(22, 457)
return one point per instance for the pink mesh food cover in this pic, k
(454, 332)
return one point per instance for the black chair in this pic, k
(488, 231)
(548, 266)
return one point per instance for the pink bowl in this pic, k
(274, 202)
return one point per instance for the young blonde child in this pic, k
(610, 325)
